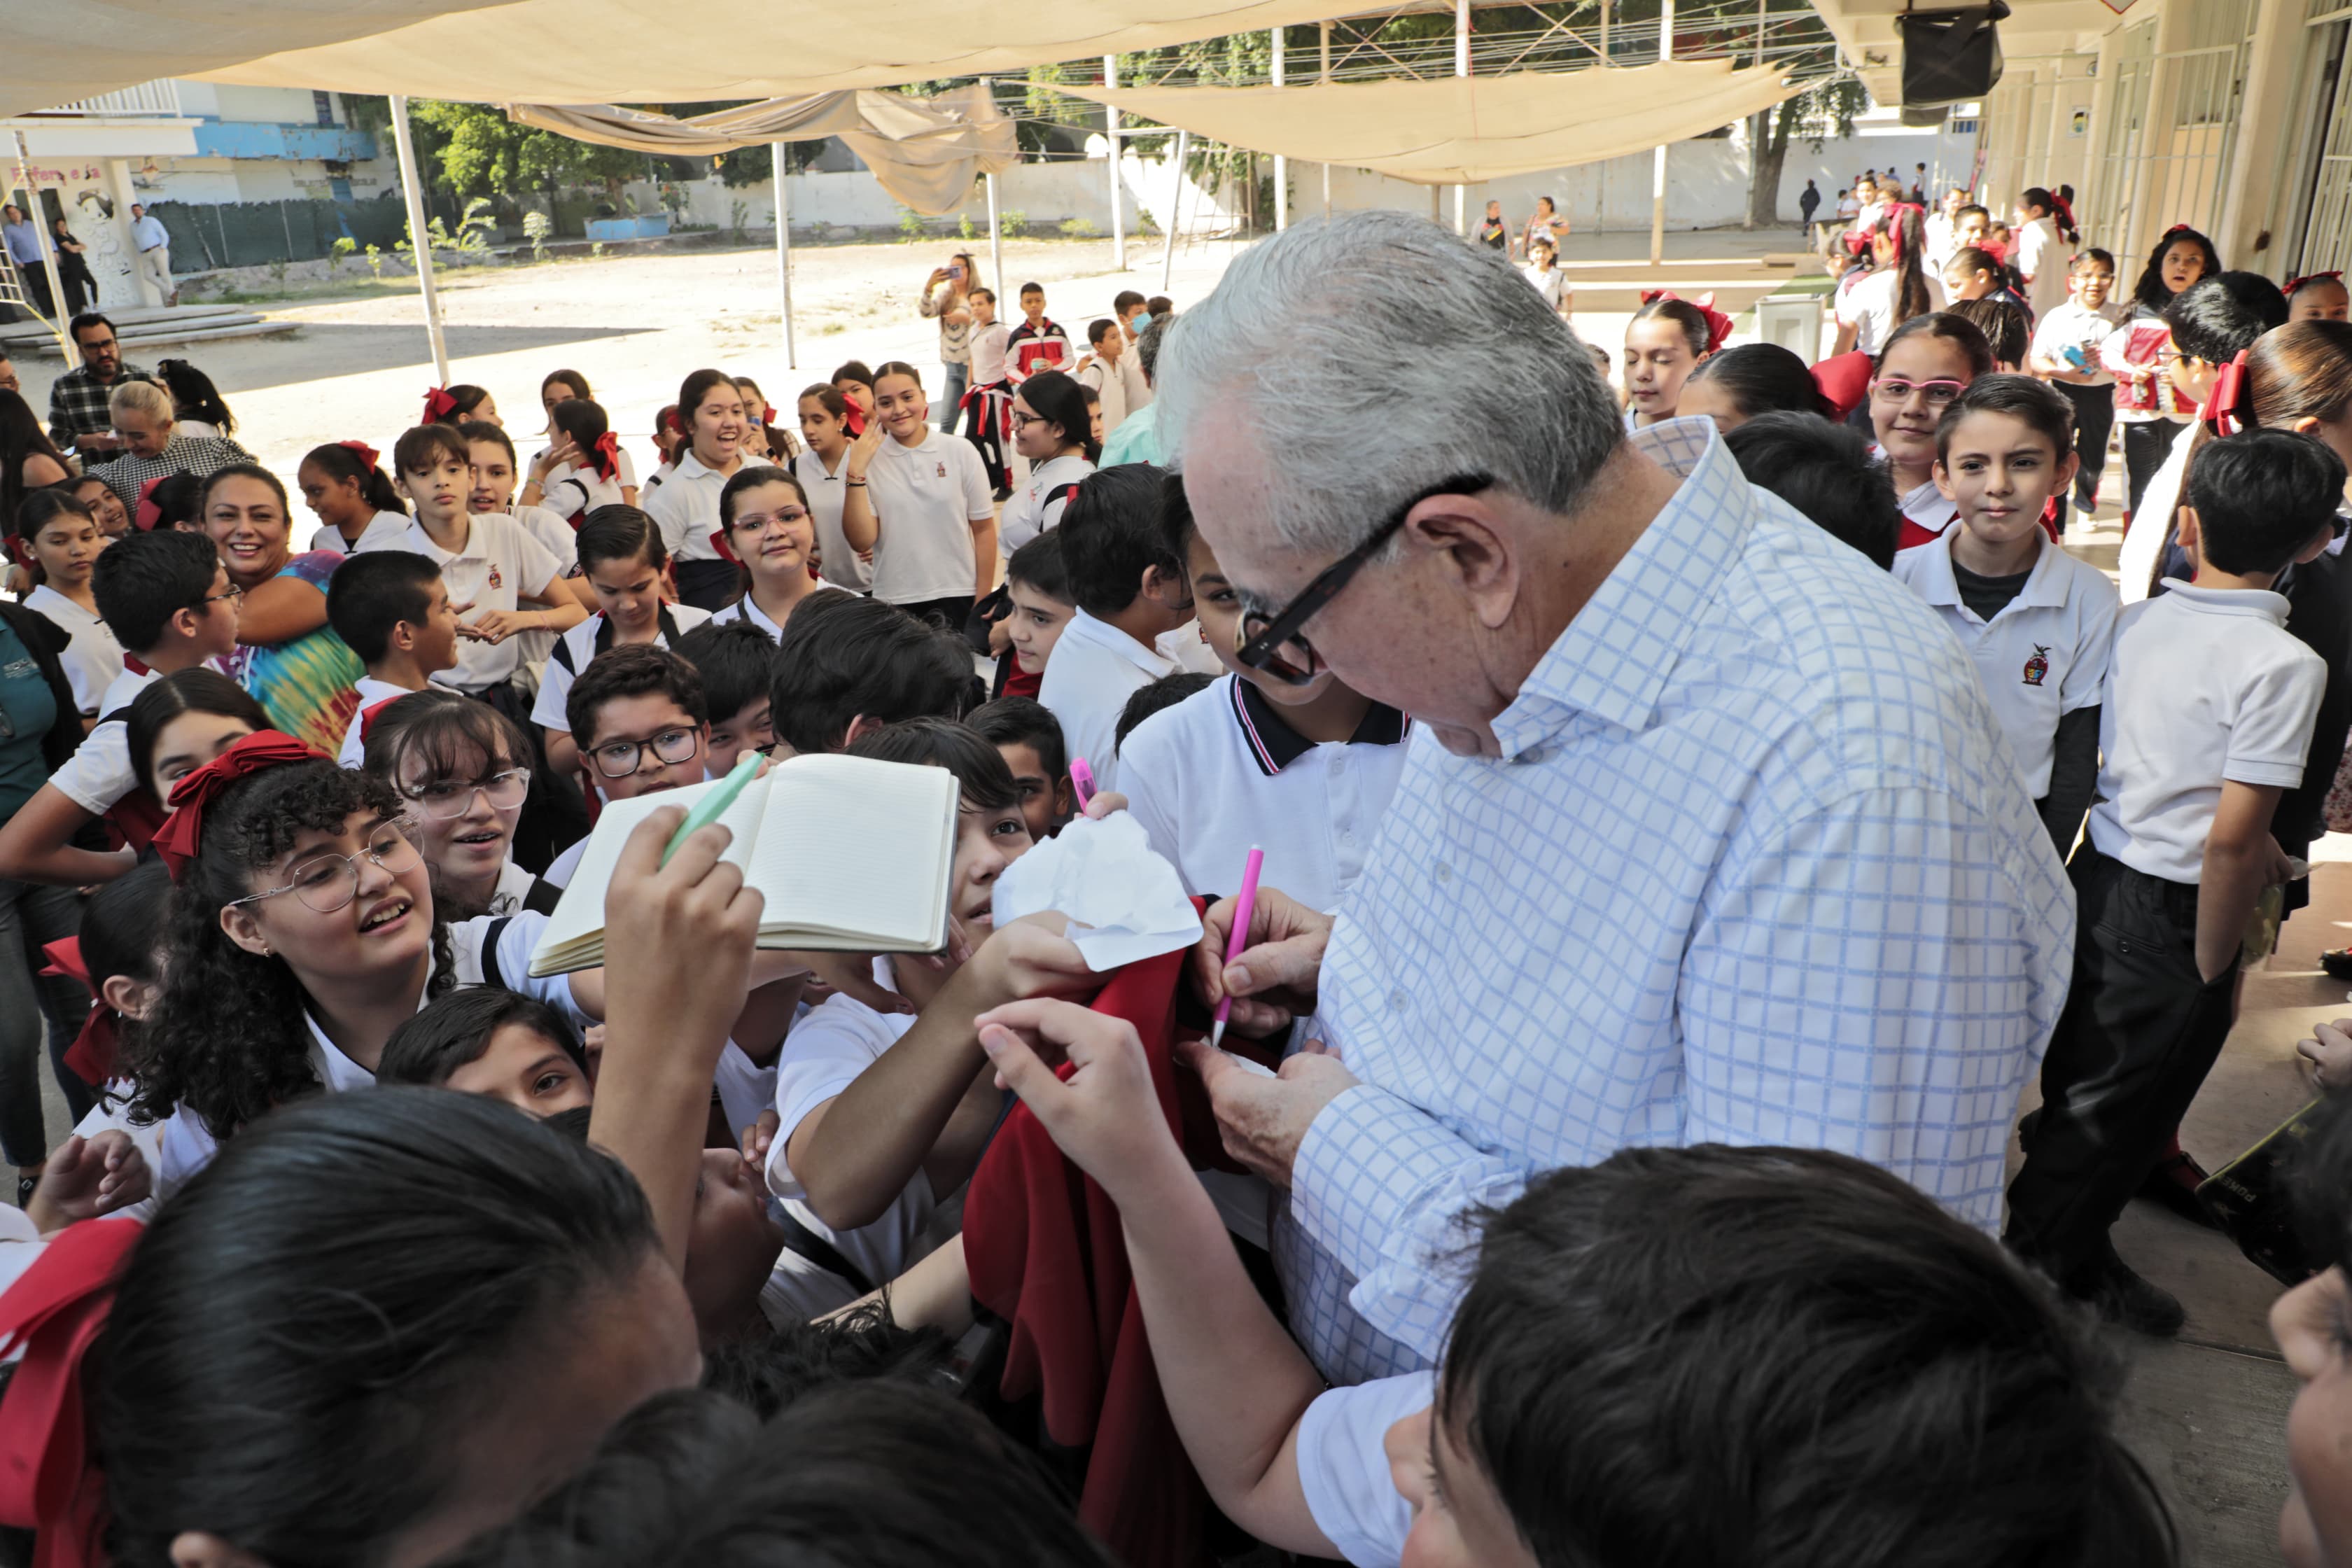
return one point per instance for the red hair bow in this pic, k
(2230, 406)
(1844, 380)
(368, 716)
(54, 1312)
(1719, 325)
(183, 836)
(767, 414)
(2175, 232)
(147, 514)
(367, 455)
(604, 457)
(92, 1056)
(853, 421)
(2295, 283)
(438, 406)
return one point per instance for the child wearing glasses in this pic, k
(1052, 429)
(392, 609)
(764, 517)
(642, 724)
(463, 768)
(626, 566)
(1927, 362)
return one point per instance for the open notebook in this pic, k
(853, 855)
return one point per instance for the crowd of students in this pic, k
(700, 1246)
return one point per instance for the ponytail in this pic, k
(355, 460)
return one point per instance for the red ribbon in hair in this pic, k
(767, 414)
(49, 1482)
(1719, 325)
(1844, 381)
(183, 836)
(2230, 406)
(854, 421)
(438, 406)
(2295, 283)
(147, 514)
(366, 454)
(92, 1056)
(604, 457)
(368, 716)
(2175, 232)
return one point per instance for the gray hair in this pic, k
(1376, 354)
(1147, 343)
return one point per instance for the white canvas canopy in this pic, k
(1462, 129)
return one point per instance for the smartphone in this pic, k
(956, 272)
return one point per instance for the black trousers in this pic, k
(2140, 1030)
(2146, 443)
(2094, 418)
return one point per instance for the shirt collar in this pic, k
(1614, 658)
(2260, 602)
(421, 543)
(1939, 584)
(1103, 635)
(1273, 745)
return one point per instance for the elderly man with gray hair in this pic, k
(1706, 835)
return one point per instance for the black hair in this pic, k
(582, 419)
(1147, 343)
(1771, 1357)
(85, 320)
(178, 501)
(195, 396)
(981, 777)
(2261, 496)
(1165, 692)
(750, 477)
(1110, 536)
(2150, 291)
(1123, 298)
(21, 436)
(618, 533)
(1055, 398)
(1825, 471)
(340, 464)
(122, 927)
(1159, 305)
(1023, 721)
(2040, 405)
(844, 656)
(857, 370)
(895, 367)
(227, 1040)
(737, 662)
(1100, 328)
(2037, 196)
(2215, 319)
(2092, 255)
(456, 1029)
(1683, 314)
(219, 477)
(196, 690)
(142, 580)
(464, 397)
(1762, 378)
(475, 430)
(41, 508)
(1958, 330)
(571, 378)
(2004, 323)
(441, 735)
(1971, 260)
(1038, 563)
(373, 592)
(633, 670)
(766, 1373)
(418, 448)
(1032, 289)
(306, 1330)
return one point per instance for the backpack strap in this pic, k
(491, 935)
(805, 1243)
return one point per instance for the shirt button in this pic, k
(1397, 1000)
(1444, 872)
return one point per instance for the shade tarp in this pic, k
(925, 152)
(1462, 130)
(628, 51)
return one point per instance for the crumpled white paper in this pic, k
(1125, 902)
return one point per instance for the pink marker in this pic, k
(1082, 781)
(1245, 904)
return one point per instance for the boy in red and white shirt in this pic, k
(1037, 344)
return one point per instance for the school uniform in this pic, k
(2042, 261)
(2148, 405)
(517, 891)
(2073, 325)
(498, 562)
(353, 753)
(1095, 669)
(91, 656)
(749, 614)
(1869, 307)
(1110, 390)
(1188, 645)
(383, 530)
(1223, 771)
(1036, 506)
(1342, 1453)
(988, 402)
(685, 509)
(828, 493)
(624, 472)
(99, 773)
(575, 648)
(926, 500)
(1028, 350)
(1926, 516)
(2207, 687)
(572, 494)
(1550, 283)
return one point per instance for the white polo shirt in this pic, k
(385, 530)
(2207, 687)
(2076, 325)
(926, 498)
(826, 490)
(1926, 507)
(1036, 506)
(2043, 654)
(571, 493)
(92, 658)
(98, 773)
(2152, 526)
(575, 648)
(498, 562)
(1094, 670)
(750, 612)
(685, 509)
(1223, 771)
(371, 691)
(1343, 1466)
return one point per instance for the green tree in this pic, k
(1814, 116)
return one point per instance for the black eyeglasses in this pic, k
(1266, 639)
(619, 759)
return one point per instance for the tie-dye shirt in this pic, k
(307, 684)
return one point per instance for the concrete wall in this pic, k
(1047, 195)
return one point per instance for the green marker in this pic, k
(714, 804)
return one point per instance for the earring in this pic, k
(268, 951)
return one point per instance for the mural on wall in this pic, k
(92, 219)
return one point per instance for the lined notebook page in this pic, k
(857, 846)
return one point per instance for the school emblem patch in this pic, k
(498, 581)
(2038, 666)
(941, 468)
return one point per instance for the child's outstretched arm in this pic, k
(1234, 1382)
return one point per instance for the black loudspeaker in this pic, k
(1950, 56)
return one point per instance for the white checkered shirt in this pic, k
(1754, 866)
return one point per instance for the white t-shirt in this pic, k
(574, 651)
(685, 509)
(1343, 1466)
(371, 691)
(1036, 506)
(385, 529)
(1222, 773)
(1110, 388)
(1546, 283)
(571, 493)
(988, 354)
(1869, 307)
(92, 658)
(2076, 325)
(98, 773)
(836, 562)
(1094, 670)
(2043, 655)
(2042, 260)
(926, 499)
(2207, 687)
(498, 562)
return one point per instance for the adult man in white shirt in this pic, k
(934, 538)
(1679, 865)
(153, 243)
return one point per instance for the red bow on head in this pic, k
(767, 414)
(92, 1056)
(438, 406)
(181, 836)
(366, 454)
(604, 457)
(147, 514)
(54, 1312)
(368, 716)
(2230, 406)
(2295, 283)
(2175, 232)
(855, 420)
(1844, 381)
(1719, 325)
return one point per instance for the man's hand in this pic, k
(1274, 978)
(1106, 1117)
(1263, 1121)
(88, 1177)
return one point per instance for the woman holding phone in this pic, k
(947, 296)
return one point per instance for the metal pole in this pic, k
(1462, 68)
(1281, 164)
(1117, 149)
(995, 243)
(1658, 167)
(39, 220)
(1327, 82)
(1175, 208)
(784, 251)
(419, 238)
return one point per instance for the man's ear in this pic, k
(1477, 548)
